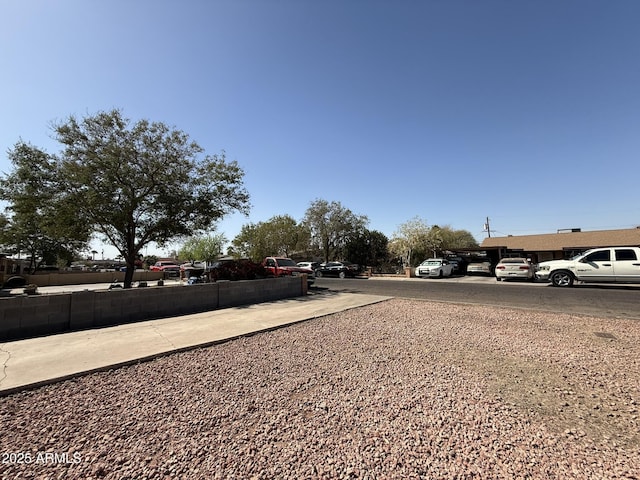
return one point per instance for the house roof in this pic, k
(566, 241)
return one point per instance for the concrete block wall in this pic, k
(28, 316)
(43, 279)
(253, 291)
(34, 315)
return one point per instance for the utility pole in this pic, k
(487, 228)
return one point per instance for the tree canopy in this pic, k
(409, 237)
(367, 248)
(41, 222)
(145, 182)
(332, 226)
(280, 235)
(205, 248)
(414, 240)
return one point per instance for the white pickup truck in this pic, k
(609, 264)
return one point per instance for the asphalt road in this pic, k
(612, 301)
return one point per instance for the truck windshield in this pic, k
(286, 262)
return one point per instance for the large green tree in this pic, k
(458, 239)
(280, 235)
(443, 239)
(368, 248)
(144, 182)
(332, 226)
(41, 222)
(205, 248)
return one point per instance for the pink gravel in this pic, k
(399, 389)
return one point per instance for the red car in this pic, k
(280, 266)
(168, 267)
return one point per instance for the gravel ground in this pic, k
(399, 389)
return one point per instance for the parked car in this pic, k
(434, 267)
(338, 269)
(609, 264)
(514, 268)
(281, 266)
(482, 267)
(311, 265)
(169, 268)
(161, 266)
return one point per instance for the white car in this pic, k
(310, 265)
(434, 267)
(514, 268)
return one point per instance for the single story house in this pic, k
(563, 244)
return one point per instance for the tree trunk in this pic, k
(128, 275)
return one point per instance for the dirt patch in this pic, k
(572, 405)
(582, 383)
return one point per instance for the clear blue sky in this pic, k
(524, 112)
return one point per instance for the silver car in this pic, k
(483, 267)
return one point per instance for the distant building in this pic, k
(564, 244)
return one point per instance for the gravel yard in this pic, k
(399, 389)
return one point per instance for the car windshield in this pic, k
(432, 262)
(286, 262)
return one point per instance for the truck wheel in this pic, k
(562, 279)
(341, 275)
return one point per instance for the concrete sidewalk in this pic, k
(39, 361)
